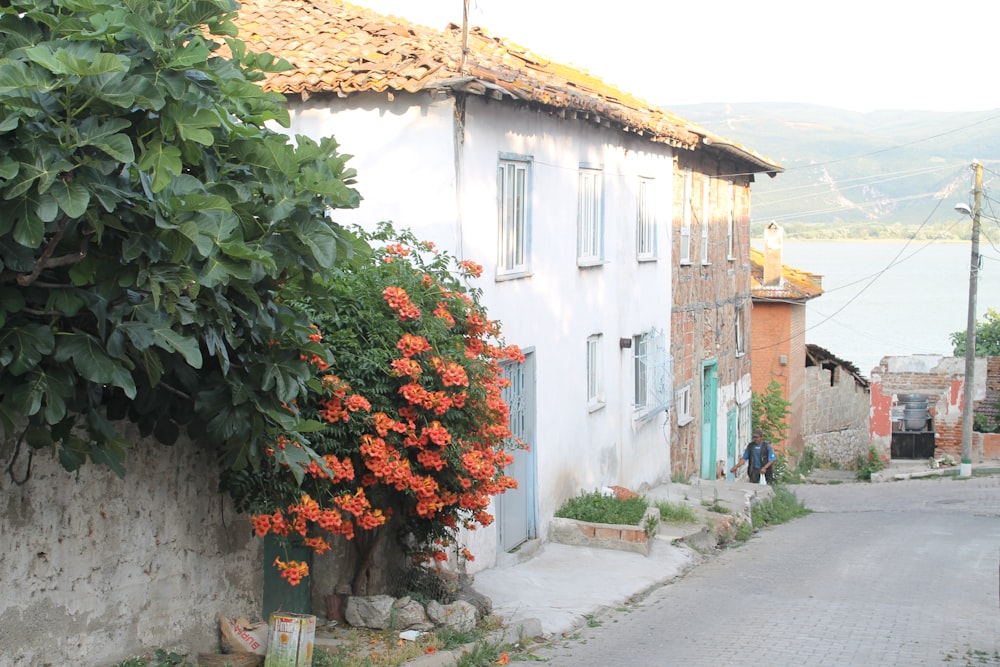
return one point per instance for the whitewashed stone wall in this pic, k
(842, 448)
(94, 568)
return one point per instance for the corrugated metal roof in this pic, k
(340, 48)
(795, 284)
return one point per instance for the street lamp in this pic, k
(965, 470)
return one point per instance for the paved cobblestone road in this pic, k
(900, 573)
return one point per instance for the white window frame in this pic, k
(652, 374)
(590, 217)
(684, 257)
(682, 399)
(513, 215)
(744, 422)
(740, 326)
(731, 220)
(595, 372)
(645, 225)
(706, 216)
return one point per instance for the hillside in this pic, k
(846, 172)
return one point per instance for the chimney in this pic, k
(773, 237)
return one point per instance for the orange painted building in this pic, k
(778, 325)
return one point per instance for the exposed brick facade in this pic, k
(707, 299)
(942, 380)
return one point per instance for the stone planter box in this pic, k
(622, 537)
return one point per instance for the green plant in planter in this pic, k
(595, 507)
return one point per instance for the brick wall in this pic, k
(942, 380)
(796, 389)
(706, 297)
(770, 341)
(778, 351)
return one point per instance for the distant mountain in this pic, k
(843, 168)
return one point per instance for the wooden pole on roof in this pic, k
(465, 35)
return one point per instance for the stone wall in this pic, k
(842, 448)
(97, 568)
(835, 415)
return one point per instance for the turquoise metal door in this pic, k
(516, 517)
(709, 403)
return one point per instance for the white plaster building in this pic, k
(559, 185)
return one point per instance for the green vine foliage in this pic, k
(150, 223)
(768, 411)
(987, 345)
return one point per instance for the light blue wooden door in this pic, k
(730, 442)
(516, 517)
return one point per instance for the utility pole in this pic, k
(965, 470)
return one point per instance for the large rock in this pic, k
(410, 615)
(483, 604)
(372, 611)
(460, 615)
(436, 612)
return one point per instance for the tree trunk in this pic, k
(365, 543)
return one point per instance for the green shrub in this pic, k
(870, 463)
(484, 654)
(806, 463)
(782, 507)
(159, 658)
(598, 508)
(743, 531)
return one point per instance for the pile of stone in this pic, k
(384, 612)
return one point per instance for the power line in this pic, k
(855, 206)
(896, 146)
(866, 180)
(870, 280)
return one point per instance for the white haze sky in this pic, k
(860, 55)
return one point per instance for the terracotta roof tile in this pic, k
(795, 284)
(340, 48)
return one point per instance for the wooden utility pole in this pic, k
(965, 470)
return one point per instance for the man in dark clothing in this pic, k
(760, 457)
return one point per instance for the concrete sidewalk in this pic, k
(549, 589)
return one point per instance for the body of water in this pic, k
(891, 298)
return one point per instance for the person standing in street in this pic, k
(760, 457)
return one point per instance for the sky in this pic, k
(849, 54)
